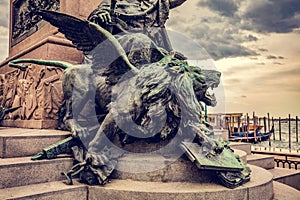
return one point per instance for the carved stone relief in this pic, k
(25, 20)
(38, 91)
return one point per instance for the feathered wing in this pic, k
(86, 35)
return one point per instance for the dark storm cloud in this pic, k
(272, 57)
(222, 31)
(188, 47)
(220, 42)
(225, 50)
(263, 50)
(280, 16)
(223, 7)
(252, 38)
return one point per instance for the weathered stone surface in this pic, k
(39, 106)
(143, 167)
(241, 146)
(156, 168)
(86, 7)
(25, 19)
(259, 187)
(22, 171)
(242, 155)
(16, 142)
(36, 124)
(44, 43)
(264, 161)
(284, 192)
(260, 190)
(79, 8)
(289, 177)
(46, 191)
(2, 147)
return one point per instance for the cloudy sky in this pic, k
(256, 46)
(254, 43)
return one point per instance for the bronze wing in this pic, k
(88, 36)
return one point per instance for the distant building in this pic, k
(225, 120)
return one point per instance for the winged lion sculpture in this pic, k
(142, 92)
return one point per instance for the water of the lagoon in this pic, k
(284, 143)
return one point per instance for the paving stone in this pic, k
(285, 192)
(289, 177)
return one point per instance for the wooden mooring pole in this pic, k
(232, 124)
(297, 133)
(239, 124)
(269, 122)
(279, 128)
(273, 127)
(254, 127)
(265, 124)
(269, 130)
(248, 123)
(290, 139)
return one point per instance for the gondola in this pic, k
(250, 137)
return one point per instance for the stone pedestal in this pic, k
(178, 179)
(221, 133)
(37, 90)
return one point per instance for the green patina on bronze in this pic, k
(161, 86)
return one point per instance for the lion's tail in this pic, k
(55, 63)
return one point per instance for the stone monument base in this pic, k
(36, 124)
(38, 90)
(177, 180)
(157, 168)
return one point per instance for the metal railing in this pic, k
(286, 159)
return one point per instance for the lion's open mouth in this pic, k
(212, 82)
(210, 98)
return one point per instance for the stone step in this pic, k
(263, 161)
(18, 142)
(259, 187)
(46, 191)
(285, 192)
(22, 171)
(289, 177)
(241, 146)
